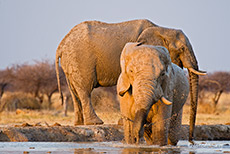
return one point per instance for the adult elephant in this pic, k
(152, 91)
(90, 55)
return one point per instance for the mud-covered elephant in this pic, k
(90, 55)
(152, 91)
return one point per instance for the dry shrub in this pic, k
(57, 104)
(19, 100)
(105, 100)
(205, 108)
(206, 104)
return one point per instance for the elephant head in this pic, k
(145, 70)
(181, 54)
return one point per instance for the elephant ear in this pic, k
(164, 55)
(167, 81)
(154, 36)
(123, 84)
(159, 36)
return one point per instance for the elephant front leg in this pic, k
(160, 124)
(127, 124)
(175, 128)
(148, 133)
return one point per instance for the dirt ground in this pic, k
(33, 117)
(52, 125)
(95, 133)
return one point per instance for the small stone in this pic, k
(56, 124)
(26, 125)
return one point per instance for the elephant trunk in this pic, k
(146, 93)
(189, 61)
(194, 80)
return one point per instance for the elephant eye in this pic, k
(182, 49)
(130, 70)
(163, 74)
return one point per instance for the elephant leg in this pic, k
(89, 115)
(77, 105)
(160, 123)
(77, 109)
(83, 110)
(148, 134)
(175, 128)
(127, 131)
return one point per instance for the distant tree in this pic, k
(49, 80)
(5, 80)
(27, 79)
(38, 79)
(217, 82)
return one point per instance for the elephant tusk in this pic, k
(165, 101)
(197, 72)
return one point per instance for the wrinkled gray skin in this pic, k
(90, 55)
(147, 76)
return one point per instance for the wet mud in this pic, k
(95, 133)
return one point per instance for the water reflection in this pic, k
(145, 151)
(113, 148)
(85, 151)
(128, 151)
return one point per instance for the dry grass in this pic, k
(43, 117)
(206, 118)
(108, 112)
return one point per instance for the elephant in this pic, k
(152, 91)
(89, 56)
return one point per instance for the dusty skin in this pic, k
(155, 96)
(90, 55)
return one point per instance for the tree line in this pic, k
(39, 80)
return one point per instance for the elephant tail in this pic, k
(58, 55)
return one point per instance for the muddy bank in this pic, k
(100, 133)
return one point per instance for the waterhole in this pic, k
(183, 147)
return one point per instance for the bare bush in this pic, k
(18, 100)
(5, 80)
(105, 99)
(38, 79)
(216, 83)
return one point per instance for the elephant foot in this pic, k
(76, 123)
(173, 143)
(93, 121)
(78, 119)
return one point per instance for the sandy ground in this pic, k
(57, 116)
(52, 125)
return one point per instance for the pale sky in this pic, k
(32, 29)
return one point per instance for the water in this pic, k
(183, 147)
